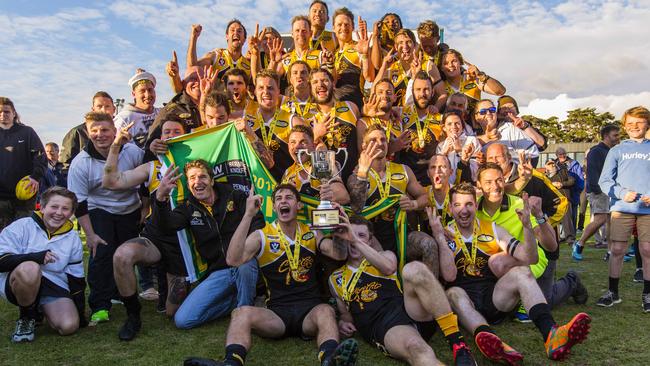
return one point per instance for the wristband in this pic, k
(542, 220)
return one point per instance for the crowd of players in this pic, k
(482, 221)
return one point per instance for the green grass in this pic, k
(618, 337)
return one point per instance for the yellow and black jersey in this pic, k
(395, 182)
(343, 136)
(308, 186)
(275, 135)
(350, 81)
(397, 75)
(429, 62)
(325, 41)
(287, 283)
(311, 57)
(425, 134)
(469, 271)
(393, 128)
(366, 297)
(155, 176)
(467, 87)
(224, 62)
(303, 109)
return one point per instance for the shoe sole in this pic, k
(22, 339)
(491, 347)
(610, 305)
(578, 332)
(346, 353)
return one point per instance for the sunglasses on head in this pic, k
(484, 111)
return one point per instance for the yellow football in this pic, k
(23, 192)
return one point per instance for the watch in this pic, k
(542, 220)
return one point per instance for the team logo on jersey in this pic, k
(281, 123)
(342, 109)
(406, 119)
(222, 62)
(485, 238)
(312, 57)
(397, 176)
(395, 77)
(339, 280)
(274, 247)
(184, 116)
(286, 61)
(470, 86)
(307, 236)
(230, 206)
(452, 245)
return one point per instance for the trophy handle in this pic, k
(299, 153)
(344, 160)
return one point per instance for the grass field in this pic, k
(619, 335)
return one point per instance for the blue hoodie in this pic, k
(627, 168)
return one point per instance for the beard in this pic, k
(422, 103)
(326, 99)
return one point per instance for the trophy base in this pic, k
(325, 218)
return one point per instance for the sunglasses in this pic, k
(485, 111)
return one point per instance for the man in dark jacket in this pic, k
(212, 214)
(21, 154)
(598, 200)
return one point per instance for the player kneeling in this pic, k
(398, 321)
(41, 265)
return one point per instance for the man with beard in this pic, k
(109, 218)
(236, 81)
(153, 245)
(374, 180)
(286, 251)
(321, 39)
(398, 320)
(270, 123)
(221, 60)
(299, 101)
(379, 111)
(480, 297)
(351, 59)
(214, 214)
(184, 106)
(301, 34)
(334, 121)
(301, 138)
(141, 114)
(422, 126)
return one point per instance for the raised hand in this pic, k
(517, 121)
(416, 64)
(327, 57)
(525, 168)
(363, 42)
(123, 136)
(367, 156)
(172, 66)
(524, 213)
(196, 31)
(472, 71)
(371, 107)
(535, 204)
(390, 58)
(253, 202)
(466, 154)
(167, 183)
(254, 41)
(206, 82)
(275, 50)
(402, 142)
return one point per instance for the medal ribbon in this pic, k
(296, 106)
(292, 257)
(384, 188)
(267, 136)
(434, 204)
(461, 243)
(423, 129)
(348, 287)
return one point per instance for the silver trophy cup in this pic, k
(323, 163)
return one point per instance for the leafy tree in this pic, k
(581, 125)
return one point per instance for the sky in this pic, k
(552, 56)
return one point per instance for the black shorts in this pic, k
(170, 253)
(392, 315)
(46, 292)
(481, 295)
(292, 315)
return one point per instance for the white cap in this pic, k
(142, 75)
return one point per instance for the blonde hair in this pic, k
(428, 29)
(637, 112)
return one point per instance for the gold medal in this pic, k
(421, 142)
